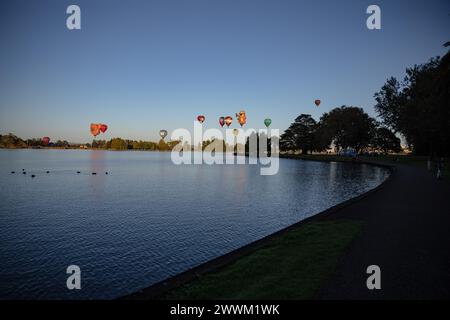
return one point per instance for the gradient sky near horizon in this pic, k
(140, 66)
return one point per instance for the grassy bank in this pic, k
(420, 161)
(291, 266)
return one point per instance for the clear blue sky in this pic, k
(140, 66)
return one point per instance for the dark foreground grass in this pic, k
(291, 266)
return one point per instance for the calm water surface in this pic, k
(147, 219)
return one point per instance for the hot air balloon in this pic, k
(222, 121)
(103, 128)
(201, 118)
(163, 133)
(317, 102)
(46, 140)
(95, 129)
(235, 132)
(241, 118)
(267, 122)
(228, 121)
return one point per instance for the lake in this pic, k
(148, 219)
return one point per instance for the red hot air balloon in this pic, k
(201, 118)
(317, 102)
(46, 140)
(228, 121)
(103, 128)
(222, 121)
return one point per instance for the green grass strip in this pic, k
(291, 266)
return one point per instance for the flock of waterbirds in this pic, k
(24, 172)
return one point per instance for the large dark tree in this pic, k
(386, 141)
(322, 137)
(389, 102)
(418, 108)
(348, 127)
(300, 135)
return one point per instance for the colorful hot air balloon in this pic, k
(267, 122)
(222, 121)
(103, 128)
(95, 129)
(228, 120)
(317, 102)
(201, 118)
(163, 133)
(46, 140)
(241, 118)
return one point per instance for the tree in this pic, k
(252, 144)
(172, 144)
(34, 142)
(61, 144)
(322, 137)
(300, 134)
(389, 102)
(348, 127)
(119, 144)
(11, 141)
(99, 144)
(417, 108)
(162, 145)
(386, 140)
(137, 145)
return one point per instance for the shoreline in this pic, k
(159, 288)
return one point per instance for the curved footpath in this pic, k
(406, 233)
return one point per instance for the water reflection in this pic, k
(97, 160)
(149, 219)
(332, 174)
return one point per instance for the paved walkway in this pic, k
(406, 233)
